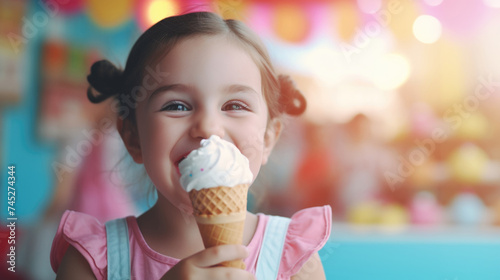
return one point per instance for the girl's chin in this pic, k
(184, 205)
(186, 209)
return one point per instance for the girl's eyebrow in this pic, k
(173, 87)
(182, 88)
(239, 88)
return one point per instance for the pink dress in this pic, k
(307, 232)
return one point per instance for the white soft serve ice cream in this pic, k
(216, 163)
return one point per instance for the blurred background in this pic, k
(398, 137)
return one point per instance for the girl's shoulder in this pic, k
(87, 235)
(308, 231)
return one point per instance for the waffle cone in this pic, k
(220, 214)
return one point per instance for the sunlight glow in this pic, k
(427, 29)
(391, 71)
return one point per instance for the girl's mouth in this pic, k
(181, 159)
(178, 162)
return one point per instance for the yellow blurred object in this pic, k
(443, 75)
(160, 9)
(424, 177)
(110, 13)
(231, 9)
(149, 12)
(290, 23)
(364, 213)
(475, 127)
(401, 23)
(468, 163)
(393, 215)
(346, 19)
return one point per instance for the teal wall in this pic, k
(411, 260)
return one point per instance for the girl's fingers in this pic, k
(215, 255)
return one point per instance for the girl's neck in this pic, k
(170, 231)
(167, 217)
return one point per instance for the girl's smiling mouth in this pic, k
(179, 161)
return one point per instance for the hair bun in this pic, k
(291, 98)
(105, 78)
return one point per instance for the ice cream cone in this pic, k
(220, 214)
(217, 177)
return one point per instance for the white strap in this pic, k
(269, 259)
(118, 250)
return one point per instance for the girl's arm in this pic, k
(312, 269)
(74, 266)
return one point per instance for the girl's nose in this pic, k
(207, 124)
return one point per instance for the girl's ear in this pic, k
(130, 136)
(271, 136)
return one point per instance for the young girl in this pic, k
(189, 77)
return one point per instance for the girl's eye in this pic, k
(176, 106)
(235, 106)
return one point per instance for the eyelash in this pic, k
(175, 103)
(242, 106)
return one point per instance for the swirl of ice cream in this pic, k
(216, 163)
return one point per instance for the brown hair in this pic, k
(279, 91)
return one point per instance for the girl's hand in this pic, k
(202, 265)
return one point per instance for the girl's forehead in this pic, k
(210, 55)
(204, 43)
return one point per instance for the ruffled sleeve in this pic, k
(87, 235)
(308, 231)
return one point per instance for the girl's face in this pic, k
(210, 85)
